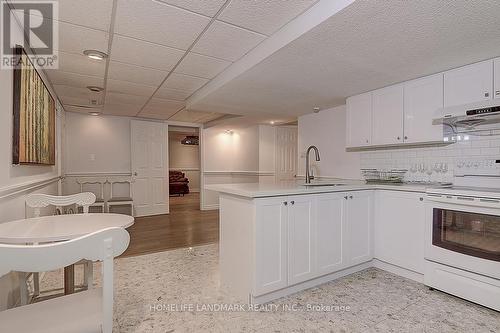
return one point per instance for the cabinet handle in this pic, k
(486, 94)
(346, 197)
(292, 202)
(368, 141)
(350, 197)
(497, 92)
(406, 137)
(285, 203)
(399, 138)
(421, 199)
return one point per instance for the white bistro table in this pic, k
(58, 228)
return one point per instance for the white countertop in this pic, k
(274, 189)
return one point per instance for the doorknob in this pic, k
(135, 174)
(292, 202)
(486, 94)
(285, 203)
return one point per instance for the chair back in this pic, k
(102, 245)
(120, 180)
(86, 182)
(38, 201)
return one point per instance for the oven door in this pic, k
(464, 232)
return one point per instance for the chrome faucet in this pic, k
(316, 152)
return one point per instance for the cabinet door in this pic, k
(358, 222)
(330, 233)
(399, 229)
(422, 98)
(359, 120)
(497, 78)
(301, 231)
(388, 115)
(271, 245)
(468, 84)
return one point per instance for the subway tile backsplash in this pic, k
(439, 163)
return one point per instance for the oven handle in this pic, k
(464, 200)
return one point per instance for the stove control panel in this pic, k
(477, 167)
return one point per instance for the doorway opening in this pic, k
(184, 168)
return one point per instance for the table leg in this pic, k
(69, 279)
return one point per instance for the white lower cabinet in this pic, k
(299, 238)
(270, 245)
(399, 229)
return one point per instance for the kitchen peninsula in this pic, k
(280, 238)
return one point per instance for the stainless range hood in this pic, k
(471, 118)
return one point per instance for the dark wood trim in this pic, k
(438, 228)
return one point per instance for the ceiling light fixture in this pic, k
(96, 55)
(316, 109)
(272, 122)
(229, 132)
(95, 88)
(95, 113)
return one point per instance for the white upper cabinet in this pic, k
(422, 97)
(359, 120)
(497, 78)
(388, 115)
(469, 84)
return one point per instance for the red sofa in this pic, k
(178, 183)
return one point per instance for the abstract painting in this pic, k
(34, 115)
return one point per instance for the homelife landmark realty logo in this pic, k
(32, 25)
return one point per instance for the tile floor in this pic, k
(152, 289)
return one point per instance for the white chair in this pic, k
(86, 183)
(120, 201)
(38, 201)
(87, 311)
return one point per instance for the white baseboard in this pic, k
(210, 207)
(406, 273)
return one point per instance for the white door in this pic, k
(388, 115)
(271, 246)
(358, 222)
(149, 167)
(359, 120)
(468, 84)
(399, 229)
(497, 78)
(301, 231)
(422, 97)
(286, 153)
(330, 233)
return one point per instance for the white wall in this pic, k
(97, 144)
(229, 158)
(20, 178)
(327, 131)
(185, 158)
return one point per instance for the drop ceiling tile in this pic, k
(75, 101)
(79, 92)
(94, 14)
(195, 116)
(206, 7)
(80, 64)
(227, 42)
(159, 23)
(73, 79)
(135, 74)
(125, 87)
(201, 65)
(174, 94)
(161, 108)
(127, 99)
(184, 82)
(76, 39)
(121, 110)
(141, 53)
(263, 16)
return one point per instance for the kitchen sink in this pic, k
(323, 184)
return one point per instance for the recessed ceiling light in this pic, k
(95, 113)
(95, 88)
(229, 131)
(316, 109)
(96, 55)
(272, 122)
